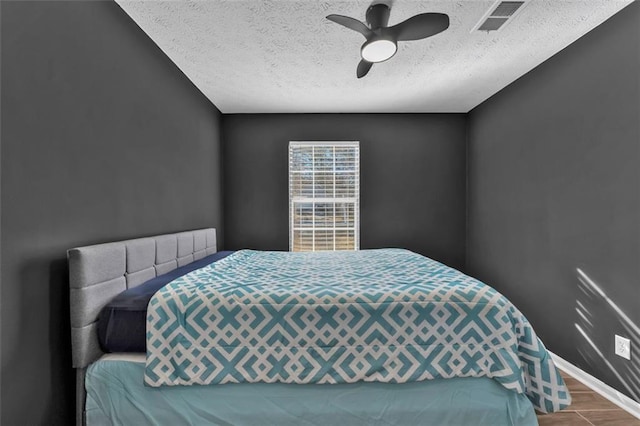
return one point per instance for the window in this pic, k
(324, 196)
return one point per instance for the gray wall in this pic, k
(103, 138)
(554, 174)
(412, 178)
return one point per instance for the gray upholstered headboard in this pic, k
(98, 273)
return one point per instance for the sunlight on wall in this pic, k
(627, 372)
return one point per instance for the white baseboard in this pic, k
(621, 400)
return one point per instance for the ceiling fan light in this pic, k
(378, 50)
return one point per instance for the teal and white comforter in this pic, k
(385, 315)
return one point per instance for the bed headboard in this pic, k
(99, 272)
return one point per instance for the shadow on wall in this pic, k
(62, 374)
(44, 337)
(593, 299)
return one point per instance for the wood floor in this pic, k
(588, 409)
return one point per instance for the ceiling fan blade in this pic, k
(419, 26)
(363, 68)
(352, 24)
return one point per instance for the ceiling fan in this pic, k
(382, 41)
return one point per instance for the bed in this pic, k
(252, 339)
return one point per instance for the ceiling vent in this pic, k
(498, 15)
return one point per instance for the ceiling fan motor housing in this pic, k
(378, 47)
(378, 16)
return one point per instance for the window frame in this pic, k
(354, 201)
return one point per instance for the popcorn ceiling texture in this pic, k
(284, 56)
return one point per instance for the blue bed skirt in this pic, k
(116, 395)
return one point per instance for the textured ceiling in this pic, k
(284, 56)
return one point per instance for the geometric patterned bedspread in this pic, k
(386, 315)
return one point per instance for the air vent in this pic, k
(492, 24)
(507, 8)
(499, 15)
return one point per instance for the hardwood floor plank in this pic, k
(610, 418)
(587, 401)
(576, 385)
(564, 374)
(562, 419)
(588, 408)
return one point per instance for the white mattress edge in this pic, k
(129, 357)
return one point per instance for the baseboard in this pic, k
(621, 400)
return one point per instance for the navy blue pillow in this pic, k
(122, 322)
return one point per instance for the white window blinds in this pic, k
(324, 196)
